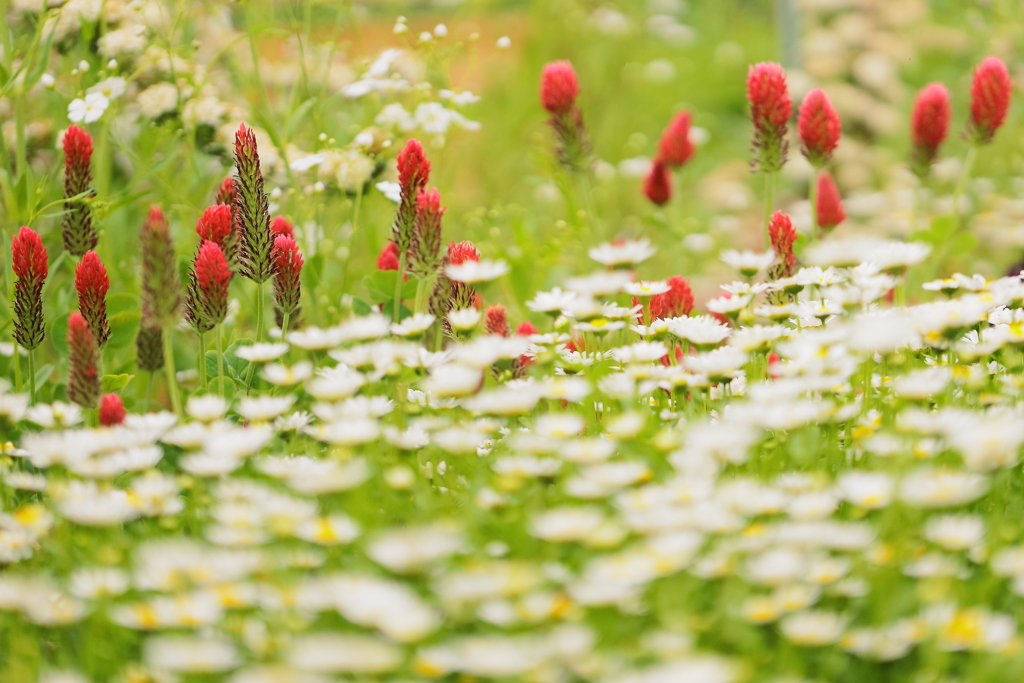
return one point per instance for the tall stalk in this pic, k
(769, 204)
(259, 332)
(172, 379)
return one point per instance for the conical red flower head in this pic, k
(496, 321)
(559, 88)
(658, 183)
(112, 412)
(990, 99)
(675, 148)
(460, 252)
(92, 285)
(676, 302)
(819, 128)
(212, 272)
(215, 224)
(929, 124)
(28, 256)
(281, 226)
(28, 259)
(413, 169)
(782, 235)
(388, 259)
(830, 203)
(287, 273)
(77, 148)
(768, 94)
(770, 109)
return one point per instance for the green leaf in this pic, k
(116, 303)
(381, 285)
(360, 307)
(213, 377)
(230, 387)
(312, 272)
(297, 118)
(943, 226)
(963, 243)
(388, 310)
(123, 328)
(237, 366)
(112, 383)
(59, 334)
(43, 374)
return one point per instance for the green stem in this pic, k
(399, 281)
(202, 360)
(16, 359)
(420, 300)
(22, 151)
(259, 332)
(285, 319)
(32, 376)
(172, 379)
(352, 238)
(220, 359)
(769, 205)
(148, 391)
(589, 205)
(961, 182)
(813, 195)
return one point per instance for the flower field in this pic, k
(542, 341)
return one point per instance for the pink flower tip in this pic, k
(658, 183)
(829, 207)
(990, 98)
(675, 148)
(111, 412)
(559, 87)
(28, 255)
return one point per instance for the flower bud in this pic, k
(215, 224)
(990, 99)
(149, 348)
(287, 273)
(675, 148)
(251, 209)
(388, 258)
(413, 174)
(425, 248)
(782, 234)
(77, 229)
(92, 284)
(112, 412)
(559, 88)
(929, 126)
(28, 260)
(770, 109)
(281, 226)
(207, 303)
(658, 183)
(161, 288)
(496, 321)
(829, 207)
(84, 375)
(819, 127)
(677, 301)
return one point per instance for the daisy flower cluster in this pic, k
(499, 508)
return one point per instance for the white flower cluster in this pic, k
(402, 510)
